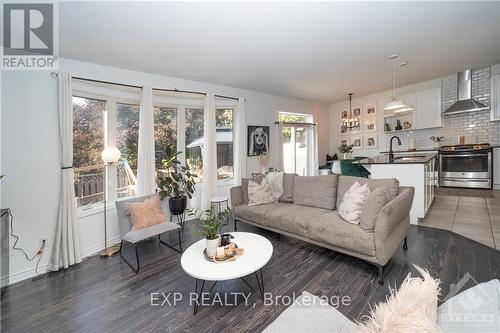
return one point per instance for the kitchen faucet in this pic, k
(391, 153)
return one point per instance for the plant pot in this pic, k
(212, 245)
(177, 206)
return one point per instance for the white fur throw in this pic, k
(352, 204)
(259, 194)
(413, 308)
(275, 180)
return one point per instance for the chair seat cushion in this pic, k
(135, 236)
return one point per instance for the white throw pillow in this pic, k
(259, 194)
(275, 180)
(352, 204)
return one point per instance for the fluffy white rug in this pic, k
(413, 308)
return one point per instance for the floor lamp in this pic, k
(110, 155)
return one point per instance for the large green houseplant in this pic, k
(209, 223)
(176, 182)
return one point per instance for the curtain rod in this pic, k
(181, 91)
(294, 123)
(227, 97)
(107, 82)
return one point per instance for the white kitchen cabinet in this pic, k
(428, 109)
(495, 97)
(496, 168)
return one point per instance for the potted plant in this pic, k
(176, 182)
(209, 223)
(345, 150)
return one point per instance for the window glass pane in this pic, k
(194, 141)
(88, 143)
(224, 129)
(295, 117)
(127, 141)
(165, 131)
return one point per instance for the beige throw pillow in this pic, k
(372, 207)
(413, 308)
(259, 194)
(147, 213)
(353, 201)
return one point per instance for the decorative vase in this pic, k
(212, 245)
(346, 156)
(177, 206)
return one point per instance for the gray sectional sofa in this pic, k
(307, 210)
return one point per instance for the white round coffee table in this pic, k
(258, 251)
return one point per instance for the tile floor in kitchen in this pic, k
(474, 214)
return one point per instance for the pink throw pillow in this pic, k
(147, 213)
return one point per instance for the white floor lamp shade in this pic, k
(111, 155)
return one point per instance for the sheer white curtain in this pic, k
(313, 164)
(279, 147)
(209, 152)
(146, 183)
(239, 169)
(66, 248)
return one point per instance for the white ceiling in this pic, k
(315, 51)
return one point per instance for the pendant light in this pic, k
(395, 103)
(351, 122)
(405, 107)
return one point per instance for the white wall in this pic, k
(30, 157)
(380, 98)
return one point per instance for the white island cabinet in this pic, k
(416, 170)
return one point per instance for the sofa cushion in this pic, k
(293, 218)
(244, 185)
(288, 181)
(345, 182)
(253, 213)
(331, 229)
(372, 207)
(315, 191)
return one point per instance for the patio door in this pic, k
(299, 149)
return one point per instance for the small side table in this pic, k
(221, 202)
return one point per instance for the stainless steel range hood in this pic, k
(465, 102)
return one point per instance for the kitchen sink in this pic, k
(408, 158)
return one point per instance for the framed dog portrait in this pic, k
(258, 140)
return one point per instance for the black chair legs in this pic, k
(405, 243)
(136, 270)
(170, 246)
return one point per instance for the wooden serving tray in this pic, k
(220, 259)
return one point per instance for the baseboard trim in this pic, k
(42, 269)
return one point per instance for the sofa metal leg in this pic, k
(380, 274)
(136, 270)
(170, 246)
(405, 243)
(235, 226)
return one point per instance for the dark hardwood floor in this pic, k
(104, 295)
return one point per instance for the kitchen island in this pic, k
(416, 170)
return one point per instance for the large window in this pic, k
(224, 132)
(88, 143)
(104, 115)
(194, 141)
(297, 143)
(127, 141)
(165, 130)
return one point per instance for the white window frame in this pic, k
(110, 136)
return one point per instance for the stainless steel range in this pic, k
(466, 166)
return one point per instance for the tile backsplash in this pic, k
(475, 126)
